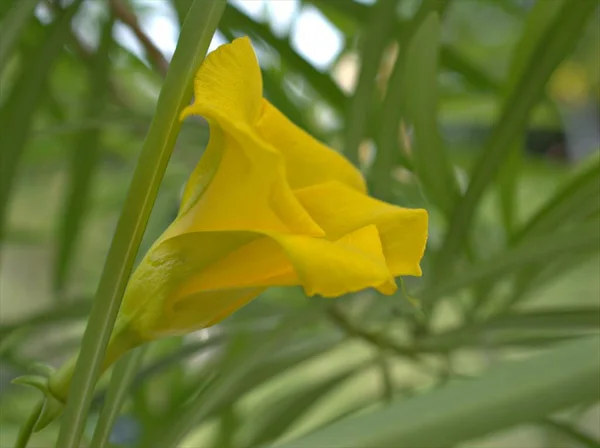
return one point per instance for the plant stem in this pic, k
(27, 429)
(120, 380)
(196, 34)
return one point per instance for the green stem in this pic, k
(196, 34)
(120, 380)
(27, 429)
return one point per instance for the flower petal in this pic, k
(323, 267)
(228, 93)
(340, 210)
(247, 192)
(308, 161)
(228, 84)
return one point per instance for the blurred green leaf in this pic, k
(244, 372)
(283, 414)
(120, 380)
(375, 37)
(558, 40)
(84, 159)
(12, 25)
(503, 397)
(430, 157)
(538, 250)
(538, 20)
(16, 114)
(571, 432)
(453, 60)
(175, 94)
(534, 328)
(74, 310)
(573, 201)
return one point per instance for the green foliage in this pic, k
(450, 98)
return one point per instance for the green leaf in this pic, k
(431, 160)
(375, 36)
(76, 309)
(572, 433)
(12, 25)
(533, 328)
(389, 145)
(557, 41)
(508, 395)
(16, 114)
(538, 20)
(237, 375)
(584, 239)
(121, 378)
(283, 414)
(51, 407)
(574, 200)
(453, 60)
(84, 160)
(176, 93)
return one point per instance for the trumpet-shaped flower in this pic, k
(267, 205)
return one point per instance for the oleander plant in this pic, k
(299, 223)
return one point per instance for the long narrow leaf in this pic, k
(388, 144)
(503, 397)
(121, 378)
(234, 378)
(375, 36)
(16, 114)
(289, 409)
(430, 157)
(12, 25)
(176, 93)
(85, 157)
(558, 40)
(538, 20)
(579, 196)
(585, 239)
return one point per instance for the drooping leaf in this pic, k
(503, 397)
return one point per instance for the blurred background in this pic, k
(421, 117)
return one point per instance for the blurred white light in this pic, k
(315, 38)
(281, 15)
(164, 33)
(43, 13)
(123, 34)
(252, 8)
(160, 23)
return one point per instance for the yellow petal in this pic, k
(149, 298)
(324, 267)
(248, 192)
(352, 263)
(307, 160)
(228, 84)
(340, 210)
(240, 184)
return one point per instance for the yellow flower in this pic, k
(267, 205)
